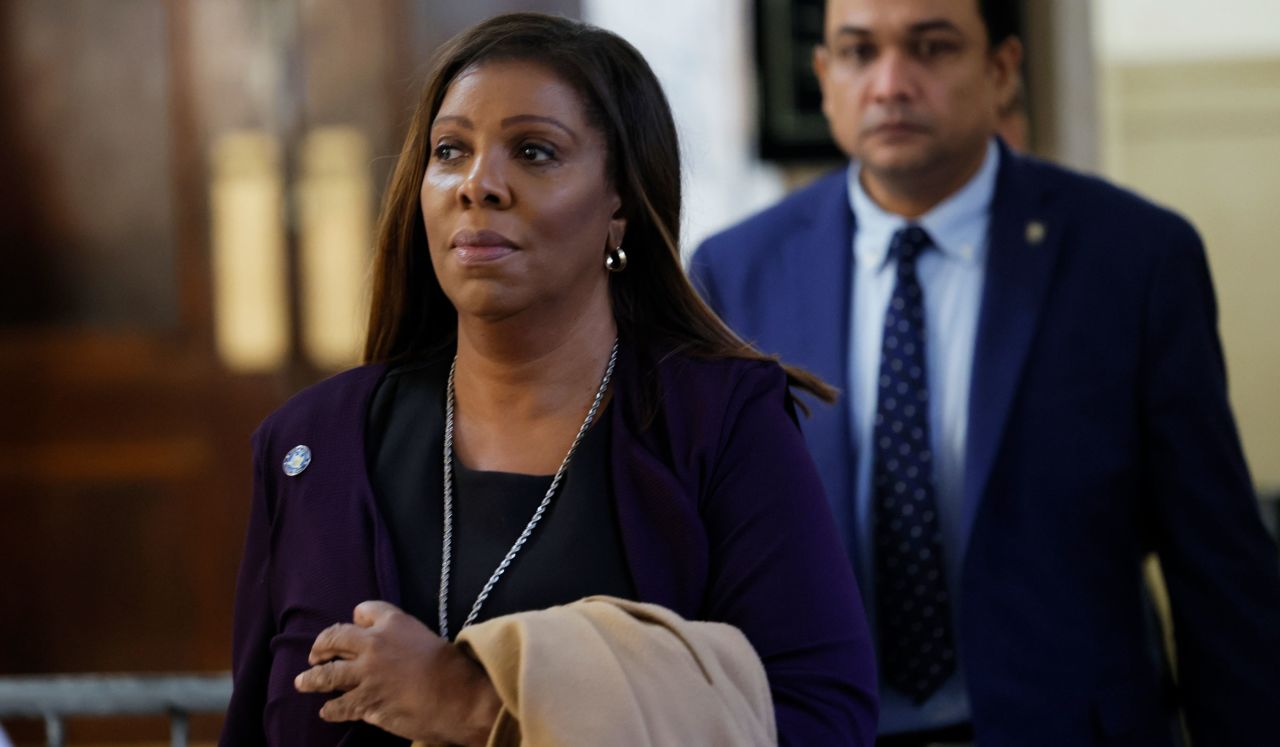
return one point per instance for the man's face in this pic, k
(911, 87)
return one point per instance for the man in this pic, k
(1034, 400)
(1013, 124)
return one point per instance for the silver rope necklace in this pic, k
(446, 555)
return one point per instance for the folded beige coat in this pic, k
(606, 671)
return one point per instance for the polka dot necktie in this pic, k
(917, 648)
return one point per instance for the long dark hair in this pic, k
(654, 304)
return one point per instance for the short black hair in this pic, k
(1003, 19)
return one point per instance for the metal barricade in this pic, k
(54, 698)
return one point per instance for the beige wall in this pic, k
(1203, 136)
(1181, 30)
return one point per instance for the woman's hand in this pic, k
(399, 676)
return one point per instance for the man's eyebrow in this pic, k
(847, 30)
(920, 27)
(523, 118)
(934, 24)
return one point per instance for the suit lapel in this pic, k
(1024, 246)
(821, 284)
(819, 273)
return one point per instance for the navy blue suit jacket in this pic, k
(720, 511)
(1099, 431)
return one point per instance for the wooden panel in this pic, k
(124, 499)
(124, 456)
(124, 444)
(91, 143)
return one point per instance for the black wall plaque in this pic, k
(789, 102)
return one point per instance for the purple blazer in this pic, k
(722, 518)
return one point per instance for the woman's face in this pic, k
(518, 207)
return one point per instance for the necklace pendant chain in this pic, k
(446, 555)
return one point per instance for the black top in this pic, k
(575, 551)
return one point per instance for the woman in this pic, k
(527, 288)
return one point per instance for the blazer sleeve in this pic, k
(253, 626)
(779, 572)
(1220, 565)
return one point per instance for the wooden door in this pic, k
(124, 459)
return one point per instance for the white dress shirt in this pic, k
(951, 276)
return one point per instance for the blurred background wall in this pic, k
(187, 194)
(1190, 115)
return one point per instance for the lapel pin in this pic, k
(1035, 232)
(297, 460)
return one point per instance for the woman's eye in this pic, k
(445, 152)
(533, 152)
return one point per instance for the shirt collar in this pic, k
(957, 225)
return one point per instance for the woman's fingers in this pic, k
(370, 613)
(338, 641)
(349, 707)
(338, 674)
(393, 672)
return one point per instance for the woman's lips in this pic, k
(479, 247)
(471, 254)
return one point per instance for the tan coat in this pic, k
(605, 671)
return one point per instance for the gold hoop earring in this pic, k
(615, 260)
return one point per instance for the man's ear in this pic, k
(1006, 66)
(821, 65)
